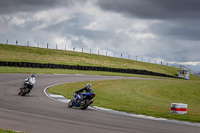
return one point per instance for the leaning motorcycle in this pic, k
(83, 102)
(25, 89)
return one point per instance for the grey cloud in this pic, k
(172, 51)
(156, 9)
(177, 30)
(13, 6)
(181, 17)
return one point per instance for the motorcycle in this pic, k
(25, 89)
(82, 101)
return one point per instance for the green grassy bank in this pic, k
(42, 55)
(147, 97)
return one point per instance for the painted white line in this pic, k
(65, 100)
(48, 94)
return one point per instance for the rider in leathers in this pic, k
(88, 88)
(29, 82)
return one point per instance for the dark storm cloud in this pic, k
(181, 17)
(13, 6)
(159, 9)
(178, 30)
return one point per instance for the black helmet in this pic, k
(32, 75)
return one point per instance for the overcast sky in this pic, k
(167, 30)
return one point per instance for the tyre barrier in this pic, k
(78, 67)
(90, 68)
(23, 64)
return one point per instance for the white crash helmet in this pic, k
(89, 85)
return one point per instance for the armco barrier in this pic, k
(78, 67)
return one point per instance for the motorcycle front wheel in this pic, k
(70, 104)
(20, 93)
(84, 104)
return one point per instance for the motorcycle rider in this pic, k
(88, 88)
(29, 83)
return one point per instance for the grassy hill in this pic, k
(42, 55)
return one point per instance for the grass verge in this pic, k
(7, 131)
(147, 97)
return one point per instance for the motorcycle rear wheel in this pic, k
(24, 92)
(20, 93)
(85, 104)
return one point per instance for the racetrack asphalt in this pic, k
(36, 113)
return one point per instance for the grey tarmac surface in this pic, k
(36, 113)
